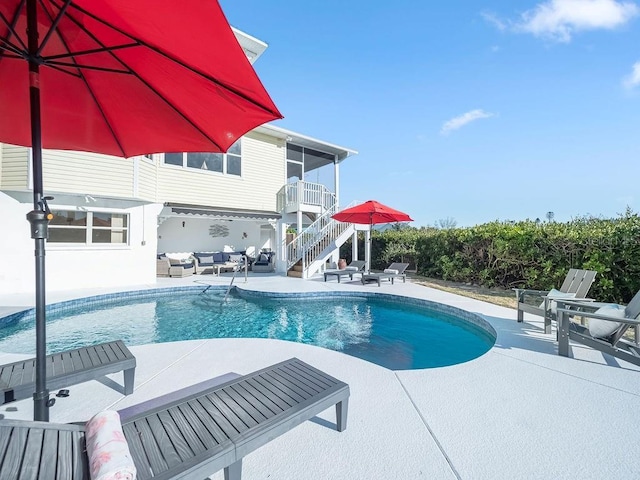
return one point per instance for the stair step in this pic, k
(294, 273)
(297, 267)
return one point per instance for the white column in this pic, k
(367, 250)
(354, 245)
(336, 180)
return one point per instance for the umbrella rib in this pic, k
(82, 77)
(124, 64)
(85, 67)
(12, 28)
(54, 24)
(179, 62)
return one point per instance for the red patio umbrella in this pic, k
(121, 77)
(371, 213)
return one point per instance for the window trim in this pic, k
(89, 229)
(224, 171)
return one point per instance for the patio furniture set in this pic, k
(356, 267)
(184, 264)
(602, 326)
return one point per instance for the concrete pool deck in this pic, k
(519, 411)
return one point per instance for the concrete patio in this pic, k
(519, 411)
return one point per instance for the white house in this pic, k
(114, 215)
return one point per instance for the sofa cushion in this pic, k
(218, 257)
(205, 260)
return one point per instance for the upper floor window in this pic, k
(229, 163)
(88, 228)
(303, 159)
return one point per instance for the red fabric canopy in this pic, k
(371, 213)
(127, 77)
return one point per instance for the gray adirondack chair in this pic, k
(577, 282)
(615, 344)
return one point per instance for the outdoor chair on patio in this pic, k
(605, 329)
(354, 268)
(395, 270)
(189, 437)
(71, 367)
(576, 285)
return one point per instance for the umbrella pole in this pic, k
(38, 217)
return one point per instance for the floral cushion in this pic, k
(108, 451)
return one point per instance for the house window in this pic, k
(303, 159)
(88, 228)
(229, 163)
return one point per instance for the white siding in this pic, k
(263, 171)
(15, 168)
(89, 173)
(147, 180)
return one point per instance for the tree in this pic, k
(445, 223)
(550, 216)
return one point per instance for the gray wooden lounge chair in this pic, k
(577, 283)
(379, 276)
(358, 265)
(71, 367)
(190, 437)
(615, 344)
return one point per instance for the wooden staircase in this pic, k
(296, 270)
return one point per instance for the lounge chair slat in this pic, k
(87, 362)
(321, 380)
(50, 451)
(185, 437)
(249, 415)
(196, 442)
(295, 393)
(261, 402)
(33, 450)
(308, 383)
(273, 392)
(152, 451)
(225, 411)
(264, 392)
(228, 428)
(169, 440)
(10, 467)
(285, 379)
(196, 413)
(248, 403)
(138, 453)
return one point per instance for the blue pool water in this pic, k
(394, 334)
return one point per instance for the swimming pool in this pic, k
(395, 332)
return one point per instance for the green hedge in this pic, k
(527, 253)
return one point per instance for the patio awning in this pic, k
(220, 212)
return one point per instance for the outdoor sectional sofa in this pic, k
(215, 262)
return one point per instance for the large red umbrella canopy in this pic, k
(127, 77)
(371, 213)
(121, 77)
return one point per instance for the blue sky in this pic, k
(475, 111)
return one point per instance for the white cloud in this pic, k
(560, 19)
(462, 120)
(633, 79)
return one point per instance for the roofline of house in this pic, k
(305, 140)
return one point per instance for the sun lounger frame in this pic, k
(68, 368)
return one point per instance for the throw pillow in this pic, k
(218, 257)
(553, 293)
(604, 328)
(392, 271)
(206, 259)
